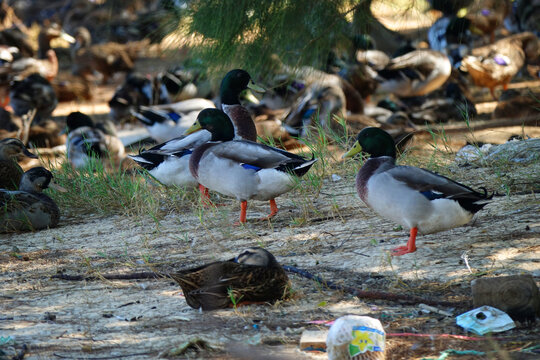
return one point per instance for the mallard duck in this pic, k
(253, 276)
(168, 121)
(235, 82)
(10, 171)
(415, 198)
(33, 92)
(416, 73)
(28, 209)
(107, 59)
(169, 162)
(495, 65)
(488, 15)
(87, 140)
(137, 90)
(451, 35)
(244, 169)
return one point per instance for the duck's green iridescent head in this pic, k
(373, 141)
(235, 82)
(216, 122)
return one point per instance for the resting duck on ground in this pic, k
(28, 209)
(137, 90)
(107, 59)
(415, 198)
(87, 140)
(11, 150)
(253, 276)
(495, 65)
(33, 92)
(168, 121)
(245, 169)
(415, 73)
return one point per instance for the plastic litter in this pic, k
(358, 337)
(485, 319)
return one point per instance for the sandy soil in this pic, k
(332, 234)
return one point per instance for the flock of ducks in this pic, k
(213, 145)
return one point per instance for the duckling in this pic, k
(416, 73)
(415, 198)
(87, 140)
(494, 65)
(28, 209)
(253, 276)
(10, 172)
(244, 169)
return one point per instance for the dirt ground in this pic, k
(333, 235)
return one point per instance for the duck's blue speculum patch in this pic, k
(252, 167)
(430, 195)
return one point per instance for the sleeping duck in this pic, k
(415, 73)
(28, 209)
(415, 198)
(169, 162)
(11, 150)
(253, 276)
(495, 65)
(244, 169)
(87, 139)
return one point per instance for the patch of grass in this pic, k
(99, 190)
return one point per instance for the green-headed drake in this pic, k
(169, 162)
(253, 276)
(242, 169)
(234, 83)
(28, 209)
(11, 149)
(415, 198)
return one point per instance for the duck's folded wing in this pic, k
(252, 153)
(424, 180)
(181, 143)
(11, 201)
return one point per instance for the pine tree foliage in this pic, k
(251, 33)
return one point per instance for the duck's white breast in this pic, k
(227, 177)
(174, 171)
(394, 200)
(273, 183)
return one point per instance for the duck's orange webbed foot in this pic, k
(243, 216)
(410, 247)
(273, 211)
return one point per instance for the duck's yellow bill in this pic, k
(248, 95)
(356, 148)
(251, 85)
(193, 128)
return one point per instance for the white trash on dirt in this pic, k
(485, 319)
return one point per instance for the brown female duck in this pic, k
(10, 171)
(253, 276)
(28, 209)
